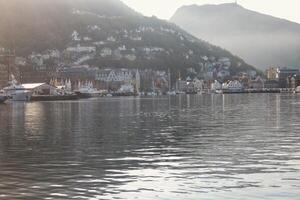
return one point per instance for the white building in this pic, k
(130, 57)
(232, 86)
(81, 49)
(106, 52)
(75, 36)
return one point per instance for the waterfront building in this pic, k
(181, 86)
(271, 73)
(115, 79)
(198, 84)
(40, 88)
(271, 84)
(284, 75)
(233, 86)
(216, 85)
(257, 83)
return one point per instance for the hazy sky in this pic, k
(164, 9)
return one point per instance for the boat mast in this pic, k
(7, 57)
(169, 80)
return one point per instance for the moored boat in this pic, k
(3, 97)
(88, 91)
(17, 92)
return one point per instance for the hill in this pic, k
(259, 39)
(103, 34)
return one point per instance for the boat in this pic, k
(3, 97)
(21, 95)
(171, 93)
(125, 90)
(17, 92)
(191, 92)
(88, 91)
(218, 91)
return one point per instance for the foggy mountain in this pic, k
(120, 36)
(259, 39)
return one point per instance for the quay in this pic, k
(264, 90)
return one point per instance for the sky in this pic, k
(164, 9)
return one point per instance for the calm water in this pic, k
(184, 147)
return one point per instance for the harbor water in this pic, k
(215, 147)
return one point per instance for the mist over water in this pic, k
(183, 147)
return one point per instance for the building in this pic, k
(257, 83)
(181, 86)
(82, 49)
(114, 79)
(271, 73)
(106, 52)
(233, 86)
(284, 74)
(39, 88)
(271, 84)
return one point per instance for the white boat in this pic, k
(17, 92)
(219, 91)
(88, 91)
(171, 93)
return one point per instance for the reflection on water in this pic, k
(184, 147)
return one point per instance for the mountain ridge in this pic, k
(231, 26)
(101, 33)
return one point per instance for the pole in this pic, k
(8, 66)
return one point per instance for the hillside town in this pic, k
(116, 64)
(50, 71)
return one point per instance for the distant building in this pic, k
(40, 88)
(114, 79)
(257, 83)
(106, 52)
(81, 49)
(284, 75)
(232, 86)
(181, 86)
(271, 84)
(271, 73)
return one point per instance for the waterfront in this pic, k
(180, 147)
